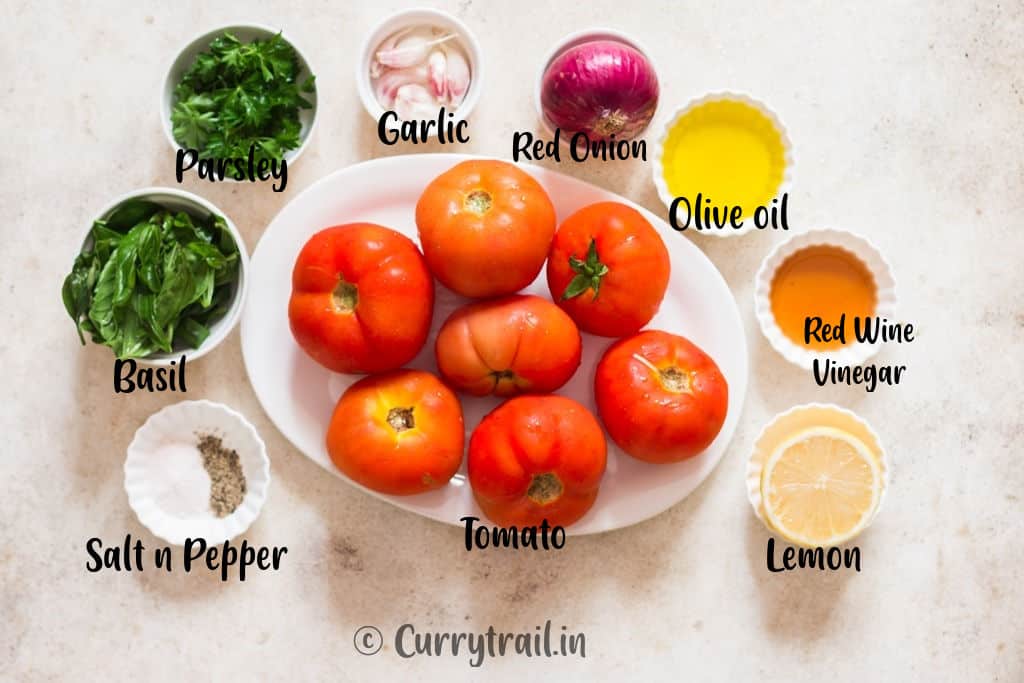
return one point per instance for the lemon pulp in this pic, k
(821, 487)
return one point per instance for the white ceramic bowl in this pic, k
(246, 33)
(800, 417)
(180, 200)
(181, 423)
(853, 353)
(421, 16)
(658, 168)
(572, 40)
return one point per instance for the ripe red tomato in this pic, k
(508, 346)
(661, 398)
(485, 227)
(362, 298)
(535, 458)
(399, 433)
(608, 269)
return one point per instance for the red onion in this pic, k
(601, 88)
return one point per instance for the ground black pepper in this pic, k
(227, 480)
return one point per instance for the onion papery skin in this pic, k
(602, 88)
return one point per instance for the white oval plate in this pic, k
(299, 395)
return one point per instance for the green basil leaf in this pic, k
(209, 254)
(149, 262)
(104, 240)
(145, 308)
(131, 213)
(204, 278)
(132, 340)
(191, 333)
(217, 308)
(218, 227)
(87, 326)
(101, 308)
(182, 229)
(124, 258)
(78, 286)
(229, 274)
(178, 288)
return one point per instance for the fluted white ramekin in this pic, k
(798, 418)
(658, 167)
(184, 422)
(854, 353)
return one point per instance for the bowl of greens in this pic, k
(161, 273)
(240, 87)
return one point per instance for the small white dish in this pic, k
(658, 168)
(572, 40)
(854, 353)
(180, 200)
(182, 423)
(247, 32)
(801, 417)
(420, 16)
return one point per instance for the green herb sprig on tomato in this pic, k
(152, 280)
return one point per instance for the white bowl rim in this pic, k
(854, 353)
(735, 96)
(153, 523)
(234, 314)
(165, 102)
(384, 28)
(578, 38)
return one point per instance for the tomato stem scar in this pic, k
(345, 296)
(401, 419)
(502, 376)
(673, 379)
(545, 488)
(479, 202)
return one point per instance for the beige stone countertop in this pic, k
(905, 119)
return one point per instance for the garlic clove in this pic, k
(410, 49)
(414, 101)
(385, 88)
(376, 67)
(436, 71)
(457, 77)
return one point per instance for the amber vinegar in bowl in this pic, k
(812, 289)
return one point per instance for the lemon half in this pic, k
(821, 487)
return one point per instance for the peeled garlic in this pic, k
(436, 68)
(386, 87)
(456, 77)
(408, 49)
(422, 56)
(376, 68)
(414, 101)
